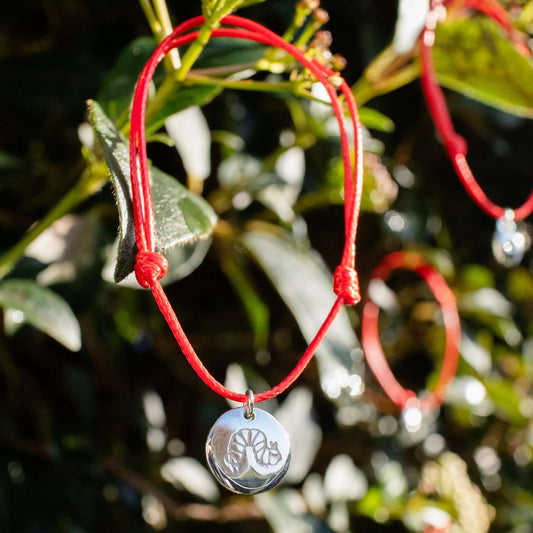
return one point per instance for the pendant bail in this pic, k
(249, 405)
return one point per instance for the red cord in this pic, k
(370, 334)
(455, 145)
(151, 266)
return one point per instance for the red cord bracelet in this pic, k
(510, 242)
(151, 266)
(370, 335)
(247, 450)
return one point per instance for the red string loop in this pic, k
(370, 334)
(150, 267)
(455, 145)
(346, 285)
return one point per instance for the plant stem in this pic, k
(151, 17)
(288, 87)
(364, 90)
(91, 181)
(166, 29)
(194, 50)
(387, 72)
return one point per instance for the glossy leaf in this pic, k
(296, 416)
(474, 57)
(182, 261)
(379, 190)
(506, 400)
(303, 282)
(221, 52)
(192, 138)
(179, 100)
(42, 308)
(117, 90)
(189, 474)
(181, 216)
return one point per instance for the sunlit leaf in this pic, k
(379, 190)
(344, 481)
(474, 277)
(179, 100)
(283, 510)
(411, 18)
(187, 473)
(296, 416)
(257, 311)
(182, 261)
(192, 138)
(474, 57)
(303, 282)
(506, 400)
(42, 308)
(181, 216)
(119, 83)
(520, 283)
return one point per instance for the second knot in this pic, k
(149, 268)
(346, 285)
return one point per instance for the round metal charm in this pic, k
(248, 451)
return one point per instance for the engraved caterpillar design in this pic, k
(248, 448)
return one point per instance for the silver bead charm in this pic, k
(247, 450)
(510, 242)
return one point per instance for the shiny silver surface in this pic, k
(248, 456)
(510, 242)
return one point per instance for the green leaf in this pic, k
(42, 308)
(117, 89)
(506, 400)
(257, 311)
(221, 52)
(181, 99)
(182, 261)
(520, 284)
(474, 277)
(305, 285)
(181, 216)
(474, 57)
(375, 120)
(379, 190)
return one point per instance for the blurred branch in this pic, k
(389, 71)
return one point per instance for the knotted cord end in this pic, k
(149, 268)
(456, 145)
(346, 285)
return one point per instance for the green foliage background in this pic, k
(82, 359)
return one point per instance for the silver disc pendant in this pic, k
(248, 455)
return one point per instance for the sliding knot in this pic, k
(456, 144)
(149, 268)
(346, 285)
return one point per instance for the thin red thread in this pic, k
(151, 267)
(370, 334)
(456, 147)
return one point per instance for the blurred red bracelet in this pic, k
(372, 345)
(510, 241)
